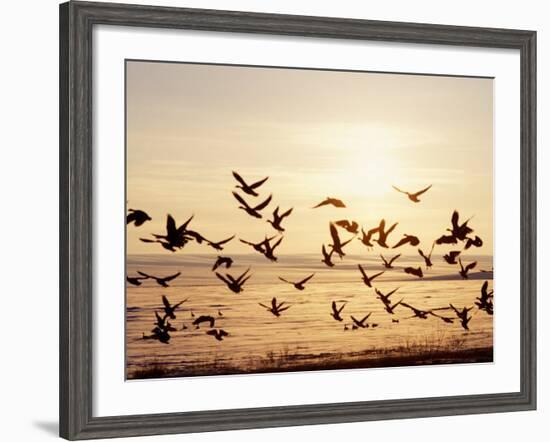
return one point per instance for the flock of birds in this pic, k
(176, 237)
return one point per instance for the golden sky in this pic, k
(349, 135)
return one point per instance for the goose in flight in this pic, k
(350, 226)
(383, 234)
(367, 236)
(219, 334)
(476, 242)
(416, 271)
(176, 237)
(249, 189)
(366, 279)
(446, 239)
(450, 258)
(260, 246)
(407, 239)
(417, 313)
(360, 322)
(222, 260)
(218, 245)
(330, 201)
(485, 301)
(138, 217)
(204, 318)
(327, 257)
(385, 298)
(465, 269)
(389, 263)
(300, 284)
(162, 323)
(459, 231)
(160, 281)
(337, 245)
(164, 244)
(252, 211)
(159, 335)
(269, 249)
(278, 218)
(235, 284)
(413, 196)
(427, 258)
(391, 307)
(276, 308)
(463, 315)
(135, 280)
(445, 319)
(336, 311)
(170, 309)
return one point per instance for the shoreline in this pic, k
(294, 363)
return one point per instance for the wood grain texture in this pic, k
(76, 21)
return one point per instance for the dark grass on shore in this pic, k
(285, 362)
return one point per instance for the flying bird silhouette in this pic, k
(350, 226)
(391, 307)
(159, 335)
(170, 309)
(427, 258)
(417, 313)
(252, 211)
(330, 201)
(366, 279)
(336, 311)
(485, 301)
(463, 316)
(160, 281)
(219, 334)
(476, 242)
(383, 234)
(135, 280)
(327, 257)
(258, 246)
(465, 269)
(459, 231)
(389, 263)
(235, 284)
(300, 284)
(204, 318)
(218, 245)
(443, 318)
(337, 245)
(385, 298)
(249, 189)
(138, 217)
(269, 249)
(407, 239)
(450, 258)
(275, 308)
(222, 260)
(414, 196)
(278, 218)
(162, 323)
(176, 237)
(367, 236)
(360, 322)
(416, 271)
(446, 239)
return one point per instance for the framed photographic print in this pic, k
(257, 206)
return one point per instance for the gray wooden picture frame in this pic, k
(77, 20)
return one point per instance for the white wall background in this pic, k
(29, 221)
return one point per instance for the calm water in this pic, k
(306, 330)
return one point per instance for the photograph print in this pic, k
(291, 219)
